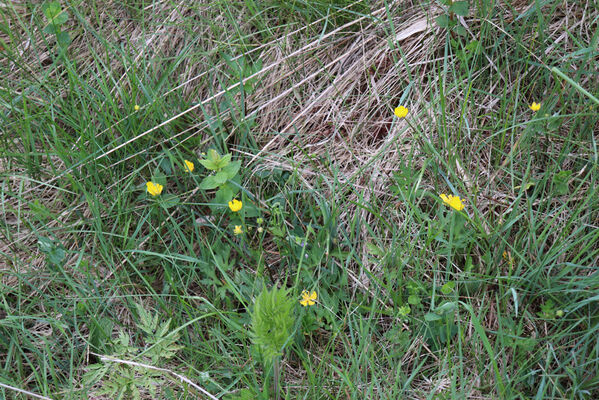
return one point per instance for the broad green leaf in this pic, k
(232, 169)
(221, 177)
(209, 182)
(52, 29)
(430, 317)
(209, 164)
(414, 300)
(460, 30)
(63, 39)
(446, 307)
(213, 156)
(442, 20)
(460, 8)
(448, 287)
(54, 13)
(224, 161)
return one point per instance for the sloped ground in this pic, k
(502, 299)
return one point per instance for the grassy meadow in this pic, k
(299, 199)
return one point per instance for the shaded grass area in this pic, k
(415, 299)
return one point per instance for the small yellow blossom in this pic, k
(453, 201)
(535, 106)
(136, 107)
(260, 229)
(188, 166)
(154, 188)
(401, 112)
(308, 299)
(235, 205)
(238, 230)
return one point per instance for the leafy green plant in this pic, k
(271, 327)
(448, 18)
(56, 17)
(560, 182)
(223, 170)
(126, 380)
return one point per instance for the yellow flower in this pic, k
(535, 106)
(188, 166)
(453, 201)
(235, 205)
(308, 299)
(401, 112)
(154, 188)
(136, 107)
(238, 230)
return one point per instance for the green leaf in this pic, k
(169, 200)
(448, 287)
(55, 253)
(54, 13)
(213, 156)
(209, 164)
(52, 29)
(442, 20)
(460, 30)
(220, 177)
(560, 182)
(63, 39)
(460, 8)
(232, 169)
(446, 308)
(414, 300)
(209, 182)
(431, 317)
(225, 161)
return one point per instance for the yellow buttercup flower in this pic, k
(189, 166)
(401, 112)
(308, 299)
(535, 106)
(238, 230)
(453, 201)
(136, 107)
(154, 188)
(235, 205)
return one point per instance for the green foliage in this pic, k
(55, 252)
(272, 322)
(560, 182)
(56, 17)
(448, 19)
(121, 380)
(223, 172)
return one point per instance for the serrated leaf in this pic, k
(460, 8)
(414, 300)
(442, 20)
